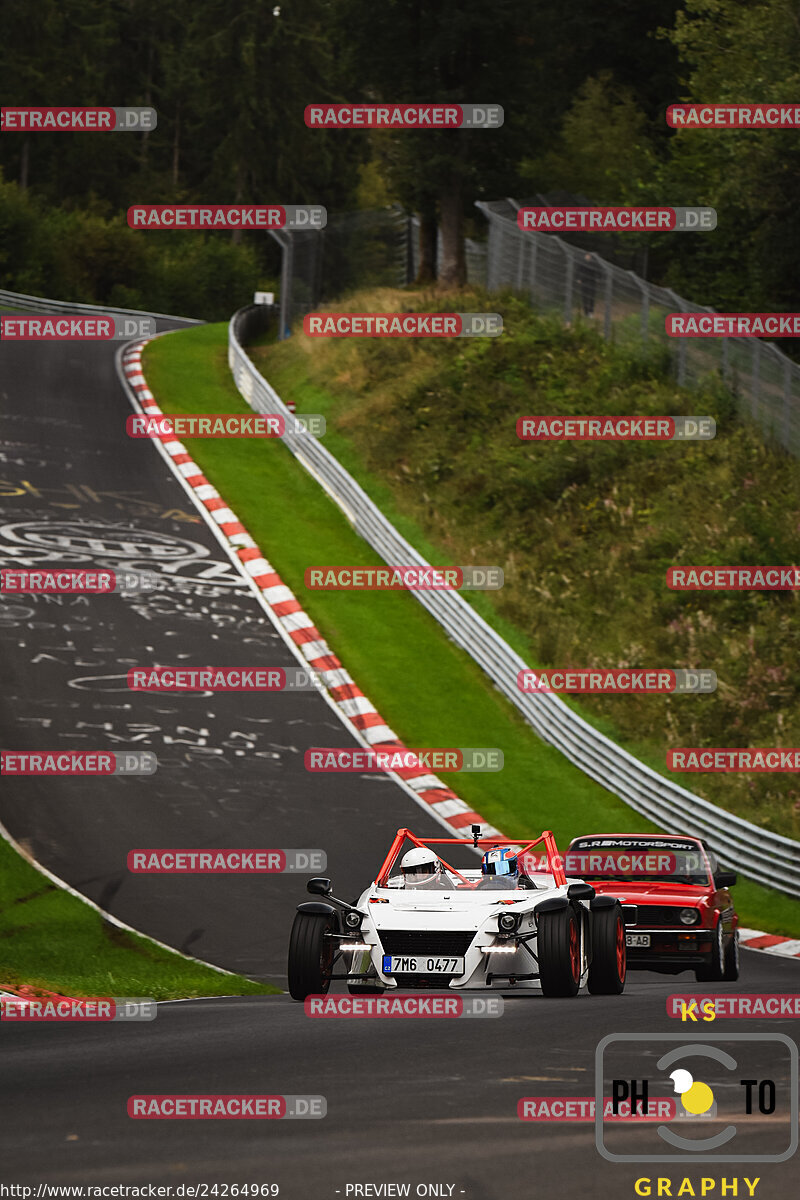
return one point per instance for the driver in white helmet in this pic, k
(422, 868)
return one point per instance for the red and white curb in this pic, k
(295, 626)
(769, 943)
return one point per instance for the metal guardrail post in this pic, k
(680, 358)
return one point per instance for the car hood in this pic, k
(461, 912)
(653, 893)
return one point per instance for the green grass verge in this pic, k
(51, 940)
(430, 692)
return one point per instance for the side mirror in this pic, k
(725, 879)
(319, 886)
(580, 891)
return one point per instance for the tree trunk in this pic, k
(426, 271)
(176, 146)
(24, 165)
(453, 271)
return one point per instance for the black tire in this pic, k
(311, 954)
(713, 972)
(731, 959)
(559, 953)
(609, 958)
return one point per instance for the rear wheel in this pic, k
(311, 954)
(714, 971)
(559, 952)
(609, 958)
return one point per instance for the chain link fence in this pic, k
(577, 283)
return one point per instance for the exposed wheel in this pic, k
(731, 959)
(609, 956)
(559, 952)
(311, 954)
(714, 971)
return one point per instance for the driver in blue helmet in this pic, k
(500, 869)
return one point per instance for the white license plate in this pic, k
(422, 964)
(637, 939)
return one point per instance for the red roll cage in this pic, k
(554, 860)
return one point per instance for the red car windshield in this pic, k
(637, 860)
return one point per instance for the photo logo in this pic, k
(723, 1084)
(225, 862)
(75, 329)
(616, 429)
(65, 1008)
(743, 1006)
(733, 579)
(59, 581)
(721, 759)
(733, 116)
(223, 679)
(94, 120)
(402, 324)
(408, 578)
(618, 681)
(77, 762)
(400, 759)
(236, 1107)
(399, 1005)
(701, 325)
(227, 216)
(404, 116)
(556, 218)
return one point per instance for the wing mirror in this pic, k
(319, 886)
(725, 879)
(580, 891)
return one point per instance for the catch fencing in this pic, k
(767, 857)
(577, 283)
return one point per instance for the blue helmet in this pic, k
(500, 862)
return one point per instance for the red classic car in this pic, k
(679, 914)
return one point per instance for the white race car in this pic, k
(470, 929)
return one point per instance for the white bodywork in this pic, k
(418, 912)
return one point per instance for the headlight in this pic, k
(689, 916)
(508, 922)
(353, 920)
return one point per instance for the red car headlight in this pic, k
(689, 916)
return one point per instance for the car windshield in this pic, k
(447, 883)
(637, 860)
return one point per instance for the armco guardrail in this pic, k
(766, 857)
(16, 300)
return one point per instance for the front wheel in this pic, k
(609, 956)
(311, 954)
(731, 959)
(558, 949)
(714, 971)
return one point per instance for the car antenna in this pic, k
(476, 833)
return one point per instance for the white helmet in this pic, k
(419, 866)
